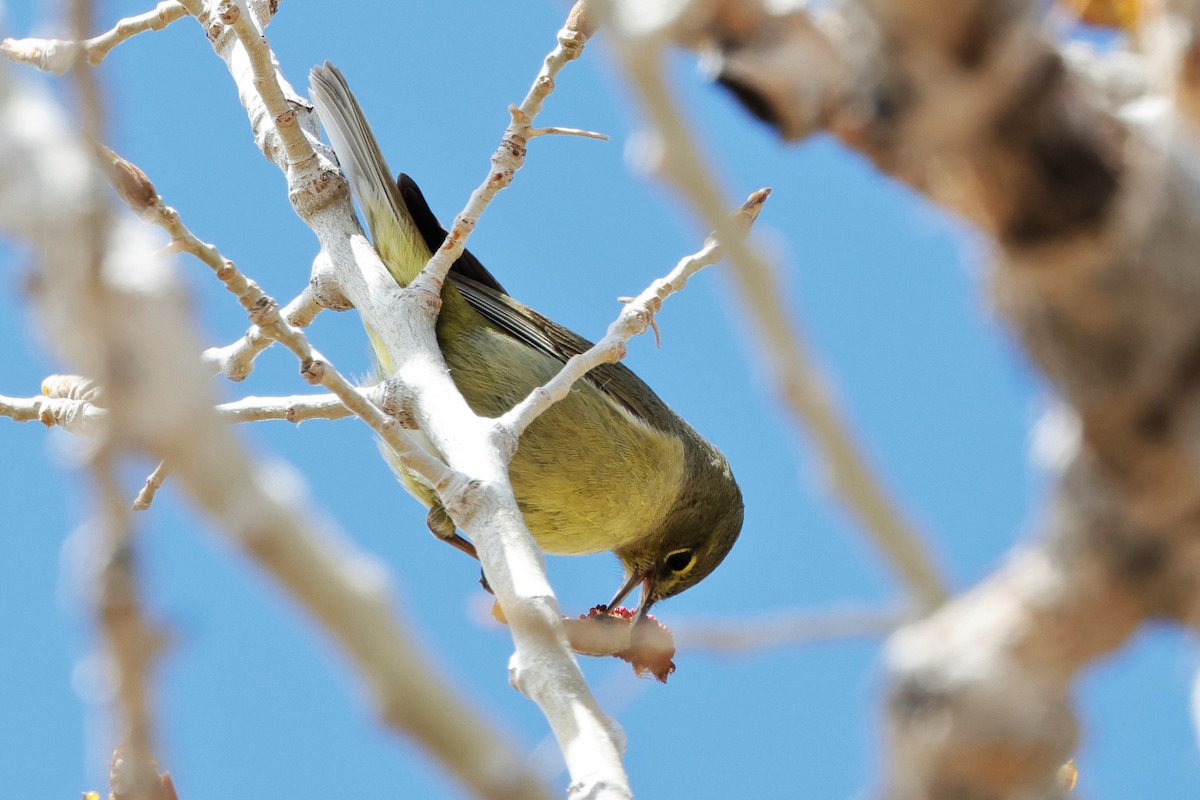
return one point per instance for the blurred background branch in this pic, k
(1071, 150)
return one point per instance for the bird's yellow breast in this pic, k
(602, 482)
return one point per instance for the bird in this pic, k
(611, 467)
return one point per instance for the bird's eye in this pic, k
(681, 560)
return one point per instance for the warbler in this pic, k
(611, 466)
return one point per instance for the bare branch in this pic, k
(154, 482)
(635, 318)
(510, 155)
(294, 408)
(535, 132)
(133, 185)
(236, 361)
(57, 55)
(296, 146)
(85, 418)
(75, 416)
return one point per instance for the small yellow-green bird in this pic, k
(610, 467)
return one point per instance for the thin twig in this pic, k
(635, 318)
(510, 154)
(154, 482)
(75, 416)
(84, 418)
(533, 133)
(298, 149)
(236, 361)
(59, 55)
(292, 408)
(138, 191)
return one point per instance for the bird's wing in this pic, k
(434, 234)
(553, 340)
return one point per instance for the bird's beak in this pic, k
(645, 601)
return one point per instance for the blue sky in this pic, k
(891, 293)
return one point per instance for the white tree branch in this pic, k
(83, 417)
(479, 498)
(293, 408)
(74, 416)
(154, 482)
(57, 55)
(236, 361)
(510, 154)
(635, 318)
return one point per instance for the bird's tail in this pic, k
(395, 235)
